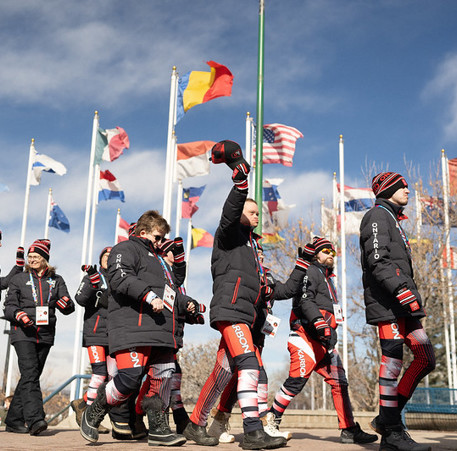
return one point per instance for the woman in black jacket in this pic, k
(30, 306)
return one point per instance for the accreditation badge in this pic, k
(169, 297)
(271, 325)
(338, 312)
(42, 315)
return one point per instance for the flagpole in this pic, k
(343, 258)
(248, 152)
(188, 249)
(178, 208)
(48, 214)
(77, 346)
(170, 151)
(12, 360)
(96, 187)
(116, 229)
(445, 169)
(259, 134)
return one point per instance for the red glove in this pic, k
(323, 330)
(20, 260)
(63, 302)
(178, 250)
(93, 274)
(167, 246)
(22, 317)
(407, 300)
(240, 176)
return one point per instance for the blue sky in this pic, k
(383, 74)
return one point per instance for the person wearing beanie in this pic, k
(314, 318)
(33, 298)
(394, 305)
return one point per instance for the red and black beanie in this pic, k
(41, 247)
(321, 243)
(385, 184)
(103, 252)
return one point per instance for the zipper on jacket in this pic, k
(96, 323)
(235, 293)
(141, 313)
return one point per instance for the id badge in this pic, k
(169, 297)
(42, 315)
(338, 313)
(271, 325)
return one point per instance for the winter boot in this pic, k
(181, 419)
(93, 415)
(396, 438)
(78, 406)
(271, 426)
(220, 426)
(139, 430)
(199, 435)
(159, 430)
(259, 439)
(355, 434)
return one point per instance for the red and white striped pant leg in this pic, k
(97, 358)
(332, 370)
(214, 385)
(424, 357)
(161, 369)
(176, 379)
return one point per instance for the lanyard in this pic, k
(104, 284)
(330, 286)
(34, 293)
(166, 272)
(256, 255)
(402, 232)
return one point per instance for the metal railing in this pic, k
(78, 378)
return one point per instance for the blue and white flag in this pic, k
(44, 163)
(57, 218)
(358, 199)
(109, 187)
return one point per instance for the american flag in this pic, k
(279, 144)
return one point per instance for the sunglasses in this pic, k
(158, 237)
(329, 252)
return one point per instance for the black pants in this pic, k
(27, 403)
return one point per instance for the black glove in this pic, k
(407, 300)
(20, 259)
(267, 293)
(178, 250)
(167, 246)
(305, 257)
(22, 318)
(93, 274)
(63, 302)
(323, 331)
(240, 176)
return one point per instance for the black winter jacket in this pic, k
(20, 297)
(234, 266)
(4, 281)
(386, 263)
(315, 300)
(95, 303)
(134, 269)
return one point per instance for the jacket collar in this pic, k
(328, 272)
(143, 242)
(396, 210)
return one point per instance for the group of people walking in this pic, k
(136, 310)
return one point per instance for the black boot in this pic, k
(259, 439)
(159, 430)
(78, 405)
(93, 415)
(199, 435)
(139, 430)
(181, 419)
(355, 434)
(396, 438)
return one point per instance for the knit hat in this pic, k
(386, 184)
(103, 252)
(228, 152)
(320, 243)
(41, 247)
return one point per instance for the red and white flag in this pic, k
(193, 159)
(452, 259)
(122, 233)
(279, 144)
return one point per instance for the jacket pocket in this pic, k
(235, 292)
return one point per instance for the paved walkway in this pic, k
(303, 439)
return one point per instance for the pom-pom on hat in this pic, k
(320, 243)
(227, 152)
(41, 247)
(385, 184)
